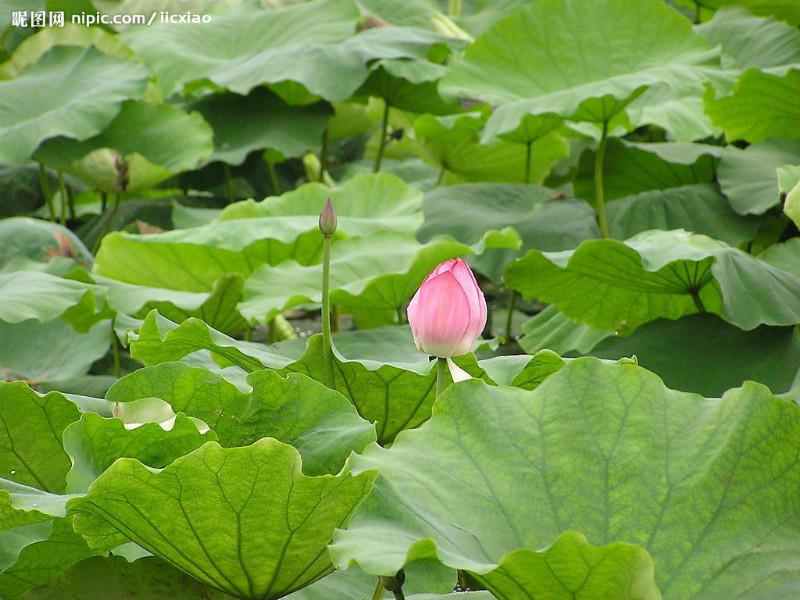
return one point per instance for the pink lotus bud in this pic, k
(327, 219)
(448, 312)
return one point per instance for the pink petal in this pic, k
(440, 317)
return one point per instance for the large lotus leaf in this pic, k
(155, 141)
(750, 41)
(704, 354)
(543, 221)
(700, 208)
(748, 177)
(757, 108)
(71, 91)
(37, 295)
(49, 352)
(217, 308)
(681, 116)
(619, 286)
(582, 61)
(94, 442)
(261, 120)
(245, 521)
(33, 245)
(630, 169)
(30, 441)
(453, 144)
(376, 273)
(160, 340)
(601, 448)
(552, 330)
(786, 10)
(408, 85)
(319, 422)
(249, 234)
(44, 558)
(785, 256)
(311, 44)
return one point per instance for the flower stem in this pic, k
(273, 178)
(599, 157)
(454, 8)
(378, 593)
(327, 341)
(528, 161)
(323, 156)
(382, 145)
(441, 375)
(228, 183)
(45, 186)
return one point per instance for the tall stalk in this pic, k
(441, 375)
(599, 194)
(323, 156)
(48, 196)
(382, 145)
(327, 226)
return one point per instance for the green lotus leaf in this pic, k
(141, 147)
(92, 578)
(453, 143)
(50, 352)
(757, 109)
(408, 85)
(749, 41)
(551, 329)
(70, 91)
(32, 245)
(601, 448)
(700, 208)
(786, 10)
(634, 168)
(748, 177)
(681, 116)
(720, 357)
(619, 286)
(249, 234)
(37, 295)
(557, 40)
(319, 422)
(94, 442)
(378, 273)
(195, 512)
(31, 452)
(261, 120)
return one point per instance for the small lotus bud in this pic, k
(327, 219)
(448, 312)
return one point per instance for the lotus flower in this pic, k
(448, 312)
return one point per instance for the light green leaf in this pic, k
(601, 448)
(619, 286)
(408, 85)
(36, 295)
(50, 352)
(94, 442)
(552, 330)
(760, 106)
(33, 245)
(377, 273)
(319, 422)
(748, 177)
(261, 120)
(71, 91)
(558, 40)
(248, 234)
(143, 145)
(792, 204)
(195, 512)
(30, 440)
(786, 10)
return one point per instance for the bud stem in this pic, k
(382, 144)
(441, 375)
(599, 194)
(327, 341)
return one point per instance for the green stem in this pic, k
(599, 194)
(48, 197)
(228, 183)
(439, 179)
(334, 318)
(698, 303)
(327, 341)
(115, 353)
(62, 190)
(378, 593)
(398, 594)
(454, 8)
(528, 161)
(441, 375)
(66, 196)
(323, 156)
(107, 224)
(697, 9)
(512, 300)
(462, 580)
(273, 179)
(382, 145)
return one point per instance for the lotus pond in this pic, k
(400, 299)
